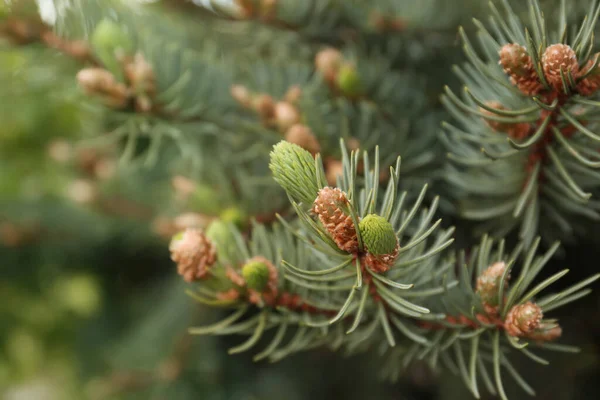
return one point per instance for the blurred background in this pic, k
(90, 305)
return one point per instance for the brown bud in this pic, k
(546, 333)
(303, 136)
(328, 207)
(82, 191)
(194, 254)
(105, 169)
(60, 150)
(488, 284)
(591, 83)
(286, 115)
(559, 57)
(293, 94)
(264, 106)
(517, 64)
(333, 169)
(523, 319)
(98, 81)
(140, 75)
(242, 95)
(516, 131)
(328, 62)
(381, 263)
(352, 144)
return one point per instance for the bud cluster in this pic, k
(559, 66)
(517, 131)
(488, 286)
(383, 23)
(138, 89)
(282, 115)
(525, 320)
(194, 254)
(125, 78)
(341, 74)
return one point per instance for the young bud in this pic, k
(328, 207)
(516, 131)
(523, 319)
(294, 170)
(557, 58)
(517, 64)
(98, 81)
(333, 169)
(220, 234)
(327, 62)
(140, 75)
(286, 115)
(260, 277)
(235, 215)
(293, 94)
(256, 275)
(546, 333)
(111, 43)
(348, 81)
(303, 136)
(242, 95)
(194, 254)
(82, 191)
(378, 234)
(109, 35)
(488, 284)
(205, 199)
(591, 83)
(264, 106)
(380, 241)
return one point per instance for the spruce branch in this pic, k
(358, 270)
(523, 149)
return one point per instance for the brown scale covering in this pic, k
(304, 137)
(98, 81)
(380, 263)
(591, 83)
(487, 286)
(559, 57)
(327, 206)
(234, 277)
(516, 131)
(229, 295)
(194, 254)
(546, 333)
(523, 319)
(517, 64)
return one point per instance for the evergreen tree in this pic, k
(316, 194)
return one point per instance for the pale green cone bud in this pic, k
(108, 41)
(256, 274)
(294, 170)
(205, 199)
(235, 215)
(348, 81)
(378, 235)
(220, 233)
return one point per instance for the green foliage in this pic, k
(399, 293)
(544, 182)
(294, 169)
